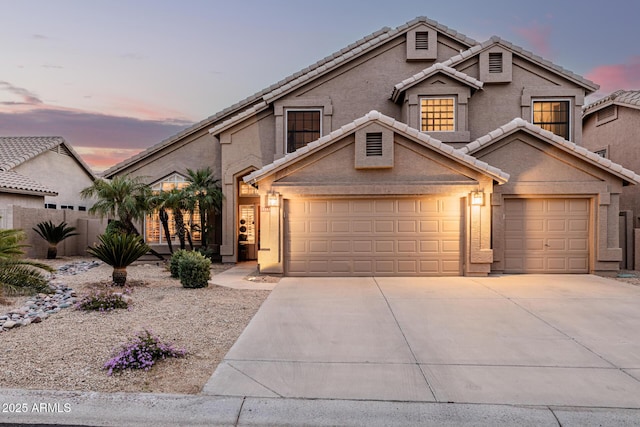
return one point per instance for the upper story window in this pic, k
(303, 127)
(553, 115)
(437, 114)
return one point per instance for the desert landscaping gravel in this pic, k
(68, 350)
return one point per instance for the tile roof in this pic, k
(15, 150)
(291, 82)
(375, 116)
(455, 60)
(430, 71)
(13, 182)
(568, 146)
(627, 98)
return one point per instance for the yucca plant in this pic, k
(19, 276)
(119, 251)
(54, 234)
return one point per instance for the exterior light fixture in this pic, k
(477, 198)
(273, 199)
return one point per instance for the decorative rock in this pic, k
(9, 324)
(41, 306)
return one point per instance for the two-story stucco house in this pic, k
(610, 129)
(414, 151)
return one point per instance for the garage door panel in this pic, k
(362, 226)
(373, 237)
(554, 238)
(407, 246)
(407, 226)
(384, 226)
(428, 226)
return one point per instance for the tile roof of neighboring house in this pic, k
(627, 98)
(12, 182)
(15, 150)
(397, 126)
(291, 82)
(454, 60)
(430, 71)
(568, 146)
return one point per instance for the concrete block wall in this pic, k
(25, 219)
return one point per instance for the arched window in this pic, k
(154, 233)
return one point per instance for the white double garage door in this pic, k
(424, 236)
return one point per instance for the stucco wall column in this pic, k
(479, 253)
(270, 255)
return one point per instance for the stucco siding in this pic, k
(62, 174)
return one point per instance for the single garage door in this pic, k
(367, 237)
(546, 235)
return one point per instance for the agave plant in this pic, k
(19, 276)
(54, 234)
(119, 251)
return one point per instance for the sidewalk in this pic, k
(235, 277)
(158, 410)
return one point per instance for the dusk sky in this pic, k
(115, 77)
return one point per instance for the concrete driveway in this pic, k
(561, 340)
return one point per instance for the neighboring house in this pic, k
(611, 129)
(40, 180)
(414, 151)
(42, 172)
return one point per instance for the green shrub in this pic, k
(174, 262)
(116, 226)
(194, 270)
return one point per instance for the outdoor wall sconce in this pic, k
(477, 198)
(273, 199)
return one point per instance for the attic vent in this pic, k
(374, 144)
(60, 149)
(606, 112)
(495, 62)
(422, 40)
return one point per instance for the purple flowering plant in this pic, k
(141, 353)
(104, 301)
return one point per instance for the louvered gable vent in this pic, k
(495, 62)
(422, 40)
(374, 144)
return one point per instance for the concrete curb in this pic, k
(24, 407)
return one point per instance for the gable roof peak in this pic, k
(628, 98)
(397, 126)
(472, 51)
(567, 146)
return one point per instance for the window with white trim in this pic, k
(303, 127)
(154, 233)
(553, 115)
(437, 114)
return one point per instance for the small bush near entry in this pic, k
(174, 262)
(141, 353)
(103, 301)
(194, 270)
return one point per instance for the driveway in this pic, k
(565, 340)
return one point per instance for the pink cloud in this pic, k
(100, 159)
(613, 77)
(537, 36)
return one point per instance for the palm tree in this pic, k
(160, 203)
(54, 234)
(119, 250)
(122, 197)
(206, 194)
(19, 275)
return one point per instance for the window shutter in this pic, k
(374, 144)
(422, 40)
(495, 62)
